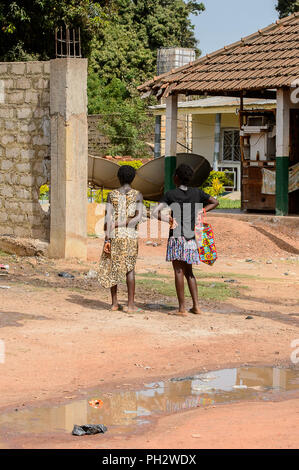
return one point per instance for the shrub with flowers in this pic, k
(216, 182)
(44, 192)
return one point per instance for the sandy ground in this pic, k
(60, 338)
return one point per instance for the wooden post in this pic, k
(282, 151)
(241, 122)
(170, 140)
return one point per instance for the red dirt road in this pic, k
(60, 338)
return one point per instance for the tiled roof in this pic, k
(268, 59)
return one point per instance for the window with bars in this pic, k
(231, 150)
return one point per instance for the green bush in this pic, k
(222, 177)
(214, 184)
(134, 163)
(125, 118)
(44, 192)
(101, 195)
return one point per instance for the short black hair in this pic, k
(184, 173)
(126, 174)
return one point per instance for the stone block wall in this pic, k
(97, 143)
(24, 147)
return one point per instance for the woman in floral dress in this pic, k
(123, 213)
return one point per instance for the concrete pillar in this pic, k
(69, 158)
(170, 140)
(217, 141)
(171, 125)
(282, 151)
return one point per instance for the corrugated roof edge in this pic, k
(222, 102)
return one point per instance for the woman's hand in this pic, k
(107, 247)
(172, 223)
(200, 215)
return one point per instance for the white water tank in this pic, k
(172, 57)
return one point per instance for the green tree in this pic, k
(27, 26)
(287, 7)
(127, 45)
(124, 116)
(118, 53)
(120, 39)
(123, 55)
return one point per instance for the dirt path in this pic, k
(60, 338)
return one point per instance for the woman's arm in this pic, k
(108, 225)
(157, 214)
(211, 204)
(133, 221)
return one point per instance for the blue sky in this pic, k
(226, 21)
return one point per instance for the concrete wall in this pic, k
(203, 132)
(98, 143)
(24, 147)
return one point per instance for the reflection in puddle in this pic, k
(125, 411)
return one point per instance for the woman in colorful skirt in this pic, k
(124, 211)
(186, 203)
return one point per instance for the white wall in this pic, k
(203, 132)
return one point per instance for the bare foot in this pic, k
(179, 314)
(132, 309)
(196, 311)
(115, 308)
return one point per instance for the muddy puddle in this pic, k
(127, 411)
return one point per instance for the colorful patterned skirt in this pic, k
(181, 249)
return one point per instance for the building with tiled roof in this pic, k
(263, 65)
(196, 130)
(265, 60)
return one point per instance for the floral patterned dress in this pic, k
(114, 266)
